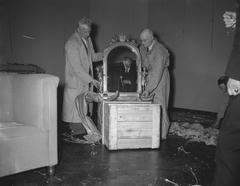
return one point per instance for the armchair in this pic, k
(28, 122)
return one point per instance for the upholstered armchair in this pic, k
(28, 122)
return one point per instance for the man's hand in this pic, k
(96, 84)
(233, 87)
(229, 19)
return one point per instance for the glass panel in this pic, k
(122, 70)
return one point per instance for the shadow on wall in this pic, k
(60, 102)
(60, 124)
(94, 35)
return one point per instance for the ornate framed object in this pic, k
(122, 70)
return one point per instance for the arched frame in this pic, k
(132, 47)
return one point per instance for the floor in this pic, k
(175, 163)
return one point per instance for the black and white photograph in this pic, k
(119, 92)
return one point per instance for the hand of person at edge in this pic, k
(233, 87)
(229, 19)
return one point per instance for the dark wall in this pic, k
(115, 16)
(5, 43)
(40, 29)
(193, 31)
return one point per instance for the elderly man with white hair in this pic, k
(155, 59)
(79, 55)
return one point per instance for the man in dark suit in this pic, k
(228, 148)
(128, 76)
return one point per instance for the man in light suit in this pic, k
(79, 55)
(155, 59)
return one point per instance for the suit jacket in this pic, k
(233, 67)
(78, 73)
(128, 82)
(158, 81)
(157, 61)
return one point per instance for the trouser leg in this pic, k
(77, 128)
(165, 123)
(228, 147)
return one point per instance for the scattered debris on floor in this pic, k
(49, 179)
(195, 132)
(86, 139)
(191, 116)
(169, 181)
(181, 149)
(195, 177)
(41, 173)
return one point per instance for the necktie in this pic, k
(85, 44)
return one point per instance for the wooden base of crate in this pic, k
(130, 125)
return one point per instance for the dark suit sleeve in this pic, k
(233, 67)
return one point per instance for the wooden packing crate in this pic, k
(130, 125)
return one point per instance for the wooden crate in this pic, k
(131, 125)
